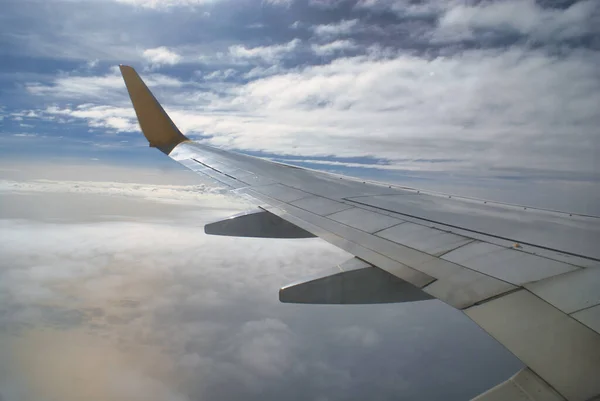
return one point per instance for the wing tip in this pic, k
(154, 122)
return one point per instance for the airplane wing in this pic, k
(529, 277)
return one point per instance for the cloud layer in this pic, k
(107, 302)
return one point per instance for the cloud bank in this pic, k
(103, 301)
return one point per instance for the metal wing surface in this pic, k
(528, 277)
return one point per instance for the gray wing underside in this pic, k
(528, 277)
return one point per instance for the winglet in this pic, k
(156, 125)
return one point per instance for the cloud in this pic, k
(459, 84)
(489, 102)
(404, 8)
(100, 86)
(344, 27)
(25, 135)
(523, 17)
(266, 53)
(166, 312)
(92, 63)
(326, 4)
(119, 119)
(470, 108)
(266, 347)
(161, 56)
(358, 336)
(333, 47)
(165, 4)
(280, 3)
(158, 193)
(219, 75)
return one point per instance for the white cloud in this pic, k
(165, 4)
(190, 194)
(119, 119)
(325, 4)
(25, 135)
(333, 47)
(266, 347)
(266, 53)
(103, 86)
(168, 313)
(470, 109)
(525, 17)
(407, 8)
(219, 74)
(341, 28)
(280, 3)
(116, 290)
(409, 107)
(92, 63)
(161, 56)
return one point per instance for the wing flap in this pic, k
(256, 224)
(523, 386)
(352, 282)
(561, 350)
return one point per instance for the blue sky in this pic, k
(445, 91)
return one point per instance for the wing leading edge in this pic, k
(529, 277)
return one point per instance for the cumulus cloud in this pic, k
(524, 17)
(341, 28)
(119, 119)
(470, 109)
(93, 86)
(266, 53)
(281, 3)
(165, 4)
(161, 56)
(219, 75)
(333, 47)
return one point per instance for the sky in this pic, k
(484, 95)
(108, 286)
